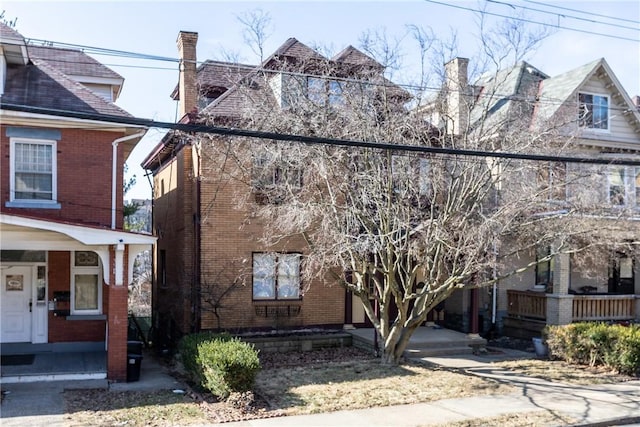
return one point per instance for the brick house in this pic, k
(66, 259)
(605, 122)
(212, 271)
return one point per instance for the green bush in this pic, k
(627, 351)
(596, 344)
(219, 363)
(228, 366)
(188, 349)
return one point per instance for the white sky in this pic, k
(151, 27)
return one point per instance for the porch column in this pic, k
(117, 301)
(560, 302)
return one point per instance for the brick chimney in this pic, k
(456, 86)
(188, 90)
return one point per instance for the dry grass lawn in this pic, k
(321, 381)
(559, 371)
(363, 384)
(523, 419)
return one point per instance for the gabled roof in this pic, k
(556, 90)
(351, 55)
(72, 62)
(562, 89)
(212, 75)
(506, 94)
(38, 84)
(13, 45)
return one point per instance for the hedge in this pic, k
(616, 347)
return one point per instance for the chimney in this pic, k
(636, 101)
(456, 87)
(188, 90)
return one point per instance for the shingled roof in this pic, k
(45, 81)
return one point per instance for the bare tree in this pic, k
(402, 230)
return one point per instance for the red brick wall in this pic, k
(229, 237)
(61, 329)
(84, 163)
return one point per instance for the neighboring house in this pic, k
(212, 271)
(66, 260)
(589, 104)
(140, 220)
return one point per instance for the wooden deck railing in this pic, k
(524, 304)
(603, 307)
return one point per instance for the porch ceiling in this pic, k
(19, 232)
(22, 233)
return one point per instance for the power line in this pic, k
(534, 22)
(310, 140)
(615, 18)
(593, 21)
(489, 95)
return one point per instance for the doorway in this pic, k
(16, 304)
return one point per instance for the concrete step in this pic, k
(437, 351)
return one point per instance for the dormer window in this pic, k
(593, 111)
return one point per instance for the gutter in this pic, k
(114, 172)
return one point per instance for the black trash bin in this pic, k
(134, 347)
(134, 362)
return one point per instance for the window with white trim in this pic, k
(86, 289)
(593, 111)
(623, 186)
(33, 170)
(276, 276)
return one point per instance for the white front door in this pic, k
(16, 304)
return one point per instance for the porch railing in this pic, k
(603, 307)
(526, 304)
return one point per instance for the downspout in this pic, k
(114, 172)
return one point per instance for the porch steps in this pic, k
(429, 342)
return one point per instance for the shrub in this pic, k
(219, 363)
(627, 350)
(188, 348)
(228, 366)
(614, 346)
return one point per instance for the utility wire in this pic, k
(593, 21)
(615, 18)
(483, 94)
(310, 140)
(534, 22)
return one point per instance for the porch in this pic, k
(529, 311)
(36, 366)
(426, 341)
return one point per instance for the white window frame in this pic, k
(85, 270)
(277, 275)
(54, 171)
(630, 185)
(582, 113)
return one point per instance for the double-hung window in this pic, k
(593, 111)
(276, 276)
(623, 186)
(33, 170)
(86, 289)
(552, 178)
